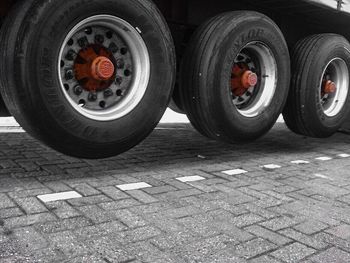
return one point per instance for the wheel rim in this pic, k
(104, 67)
(334, 87)
(254, 79)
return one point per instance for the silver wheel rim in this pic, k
(132, 74)
(338, 72)
(260, 60)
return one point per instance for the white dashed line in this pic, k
(190, 178)
(133, 186)
(235, 172)
(325, 158)
(59, 196)
(271, 166)
(321, 176)
(344, 155)
(300, 162)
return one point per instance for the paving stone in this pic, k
(28, 220)
(85, 189)
(310, 227)
(115, 205)
(113, 192)
(268, 235)
(142, 196)
(68, 244)
(254, 248)
(5, 202)
(31, 205)
(279, 223)
(331, 255)
(264, 259)
(304, 239)
(90, 200)
(129, 218)
(63, 225)
(342, 231)
(293, 253)
(10, 212)
(29, 239)
(62, 209)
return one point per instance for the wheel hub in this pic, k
(242, 79)
(329, 87)
(94, 68)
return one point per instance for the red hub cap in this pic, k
(94, 68)
(102, 68)
(242, 79)
(329, 87)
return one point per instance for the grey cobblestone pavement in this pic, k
(284, 198)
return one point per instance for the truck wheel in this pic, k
(89, 78)
(318, 102)
(235, 76)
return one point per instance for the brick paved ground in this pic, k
(293, 213)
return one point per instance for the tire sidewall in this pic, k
(51, 110)
(234, 39)
(312, 110)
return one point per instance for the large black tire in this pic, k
(206, 74)
(30, 44)
(304, 113)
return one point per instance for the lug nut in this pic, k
(118, 80)
(108, 93)
(113, 48)
(83, 42)
(92, 96)
(69, 74)
(70, 55)
(99, 39)
(88, 30)
(123, 50)
(78, 90)
(120, 63)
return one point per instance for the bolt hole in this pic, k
(88, 30)
(119, 92)
(123, 50)
(82, 103)
(70, 42)
(109, 34)
(102, 104)
(62, 63)
(127, 72)
(66, 86)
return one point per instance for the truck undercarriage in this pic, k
(92, 78)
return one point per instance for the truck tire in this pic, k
(89, 78)
(318, 103)
(235, 76)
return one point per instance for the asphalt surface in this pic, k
(178, 197)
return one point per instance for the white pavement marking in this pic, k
(324, 158)
(271, 166)
(300, 162)
(59, 196)
(344, 155)
(194, 178)
(322, 176)
(133, 186)
(235, 172)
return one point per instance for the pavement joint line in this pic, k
(194, 178)
(324, 158)
(133, 186)
(343, 155)
(300, 162)
(59, 196)
(235, 172)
